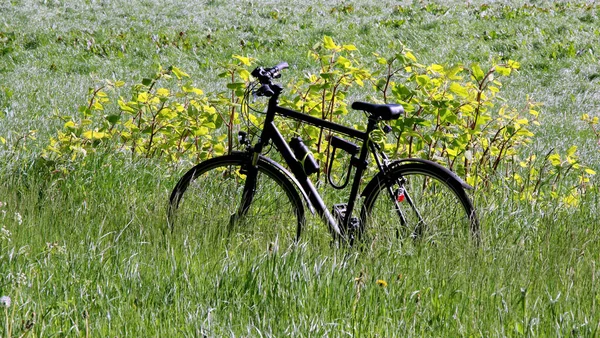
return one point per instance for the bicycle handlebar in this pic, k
(265, 75)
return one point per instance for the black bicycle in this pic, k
(249, 191)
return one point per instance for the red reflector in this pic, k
(401, 197)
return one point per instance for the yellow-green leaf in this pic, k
(93, 135)
(410, 56)
(477, 71)
(342, 61)
(163, 92)
(179, 73)
(452, 152)
(243, 59)
(458, 89)
(328, 43)
(423, 80)
(554, 159)
(437, 68)
(201, 131)
(503, 70)
(142, 97)
(244, 74)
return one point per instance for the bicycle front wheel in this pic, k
(210, 198)
(420, 201)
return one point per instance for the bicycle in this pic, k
(424, 199)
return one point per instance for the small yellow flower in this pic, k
(382, 283)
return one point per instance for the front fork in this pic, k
(251, 173)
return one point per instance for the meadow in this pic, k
(84, 252)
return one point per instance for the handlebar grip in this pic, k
(281, 66)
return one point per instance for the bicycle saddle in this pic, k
(384, 111)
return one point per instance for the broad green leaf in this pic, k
(349, 47)
(219, 149)
(571, 151)
(235, 85)
(113, 118)
(423, 80)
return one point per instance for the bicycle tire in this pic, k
(209, 194)
(447, 213)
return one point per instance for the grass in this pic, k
(87, 253)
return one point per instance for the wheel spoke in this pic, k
(215, 202)
(428, 206)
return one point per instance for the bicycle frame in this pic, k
(271, 133)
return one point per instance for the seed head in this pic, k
(5, 301)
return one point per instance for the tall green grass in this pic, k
(88, 253)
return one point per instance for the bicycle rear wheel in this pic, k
(420, 201)
(208, 198)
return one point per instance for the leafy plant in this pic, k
(592, 122)
(453, 115)
(171, 122)
(238, 77)
(323, 93)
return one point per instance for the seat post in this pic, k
(360, 167)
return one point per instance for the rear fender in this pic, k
(452, 174)
(380, 176)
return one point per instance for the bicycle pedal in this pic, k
(339, 211)
(354, 223)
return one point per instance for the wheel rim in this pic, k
(211, 200)
(443, 220)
